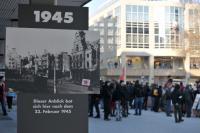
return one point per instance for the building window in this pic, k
(110, 32)
(101, 24)
(194, 63)
(102, 49)
(110, 24)
(137, 26)
(194, 24)
(168, 32)
(102, 40)
(110, 40)
(88, 65)
(128, 38)
(135, 62)
(163, 62)
(101, 32)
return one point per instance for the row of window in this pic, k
(78, 65)
(109, 24)
(164, 30)
(159, 63)
(137, 26)
(137, 8)
(167, 39)
(137, 45)
(80, 57)
(138, 29)
(134, 17)
(134, 38)
(194, 24)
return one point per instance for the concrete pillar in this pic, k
(151, 69)
(187, 67)
(186, 41)
(123, 26)
(151, 45)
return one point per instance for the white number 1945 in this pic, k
(46, 16)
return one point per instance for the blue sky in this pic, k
(94, 5)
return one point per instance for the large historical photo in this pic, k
(52, 61)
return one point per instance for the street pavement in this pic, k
(148, 122)
(8, 124)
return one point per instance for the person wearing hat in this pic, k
(2, 95)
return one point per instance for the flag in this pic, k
(122, 76)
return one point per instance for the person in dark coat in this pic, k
(117, 98)
(2, 96)
(177, 100)
(198, 89)
(182, 90)
(106, 99)
(94, 103)
(117, 94)
(189, 97)
(156, 93)
(146, 95)
(157, 98)
(138, 98)
(130, 92)
(125, 99)
(168, 88)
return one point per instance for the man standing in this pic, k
(94, 103)
(176, 100)
(138, 98)
(117, 98)
(189, 97)
(146, 95)
(2, 95)
(157, 94)
(125, 99)
(168, 87)
(107, 95)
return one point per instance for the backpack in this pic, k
(155, 92)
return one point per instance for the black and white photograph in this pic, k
(52, 61)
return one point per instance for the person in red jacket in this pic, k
(2, 95)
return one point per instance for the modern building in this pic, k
(152, 39)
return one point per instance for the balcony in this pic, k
(167, 72)
(129, 72)
(195, 72)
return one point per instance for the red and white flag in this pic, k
(122, 76)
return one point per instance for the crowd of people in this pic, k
(117, 98)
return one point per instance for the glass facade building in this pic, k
(152, 39)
